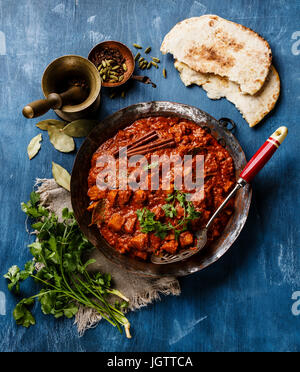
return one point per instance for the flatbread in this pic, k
(253, 108)
(210, 44)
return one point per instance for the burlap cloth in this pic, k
(141, 291)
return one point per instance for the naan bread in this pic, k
(253, 108)
(210, 44)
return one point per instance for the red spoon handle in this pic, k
(263, 155)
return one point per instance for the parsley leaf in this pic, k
(22, 314)
(170, 210)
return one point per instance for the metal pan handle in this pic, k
(227, 123)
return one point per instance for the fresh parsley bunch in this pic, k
(58, 267)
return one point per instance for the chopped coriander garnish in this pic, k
(170, 210)
(149, 224)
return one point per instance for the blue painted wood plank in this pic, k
(243, 302)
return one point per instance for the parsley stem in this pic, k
(99, 297)
(62, 271)
(111, 291)
(43, 281)
(92, 304)
(41, 294)
(117, 293)
(58, 290)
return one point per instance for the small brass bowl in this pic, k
(125, 52)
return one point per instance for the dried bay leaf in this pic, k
(79, 128)
(34, 146)
(61, 175)
(60, 140)
(98, 212)
(44, 124)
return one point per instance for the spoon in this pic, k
(256, 163)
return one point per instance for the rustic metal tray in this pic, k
(220, 129)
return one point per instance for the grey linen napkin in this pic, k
(141, 291)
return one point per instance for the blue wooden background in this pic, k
(244, 301)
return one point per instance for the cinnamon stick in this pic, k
(152, 144)
(140, 141)
(143, 141)
(142, 150)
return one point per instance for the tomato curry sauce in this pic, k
(122, 213)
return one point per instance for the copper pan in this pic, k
(121, 119)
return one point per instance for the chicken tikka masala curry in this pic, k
(145, 222)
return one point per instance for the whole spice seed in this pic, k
(164, 73)
(149, 65)
(141, 59)
(154, 64)
(124, 67)
(137, 46)
(148, 50)
(137, 56)
(154, 59)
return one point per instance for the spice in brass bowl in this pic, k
(114, 61)
(110, 64)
